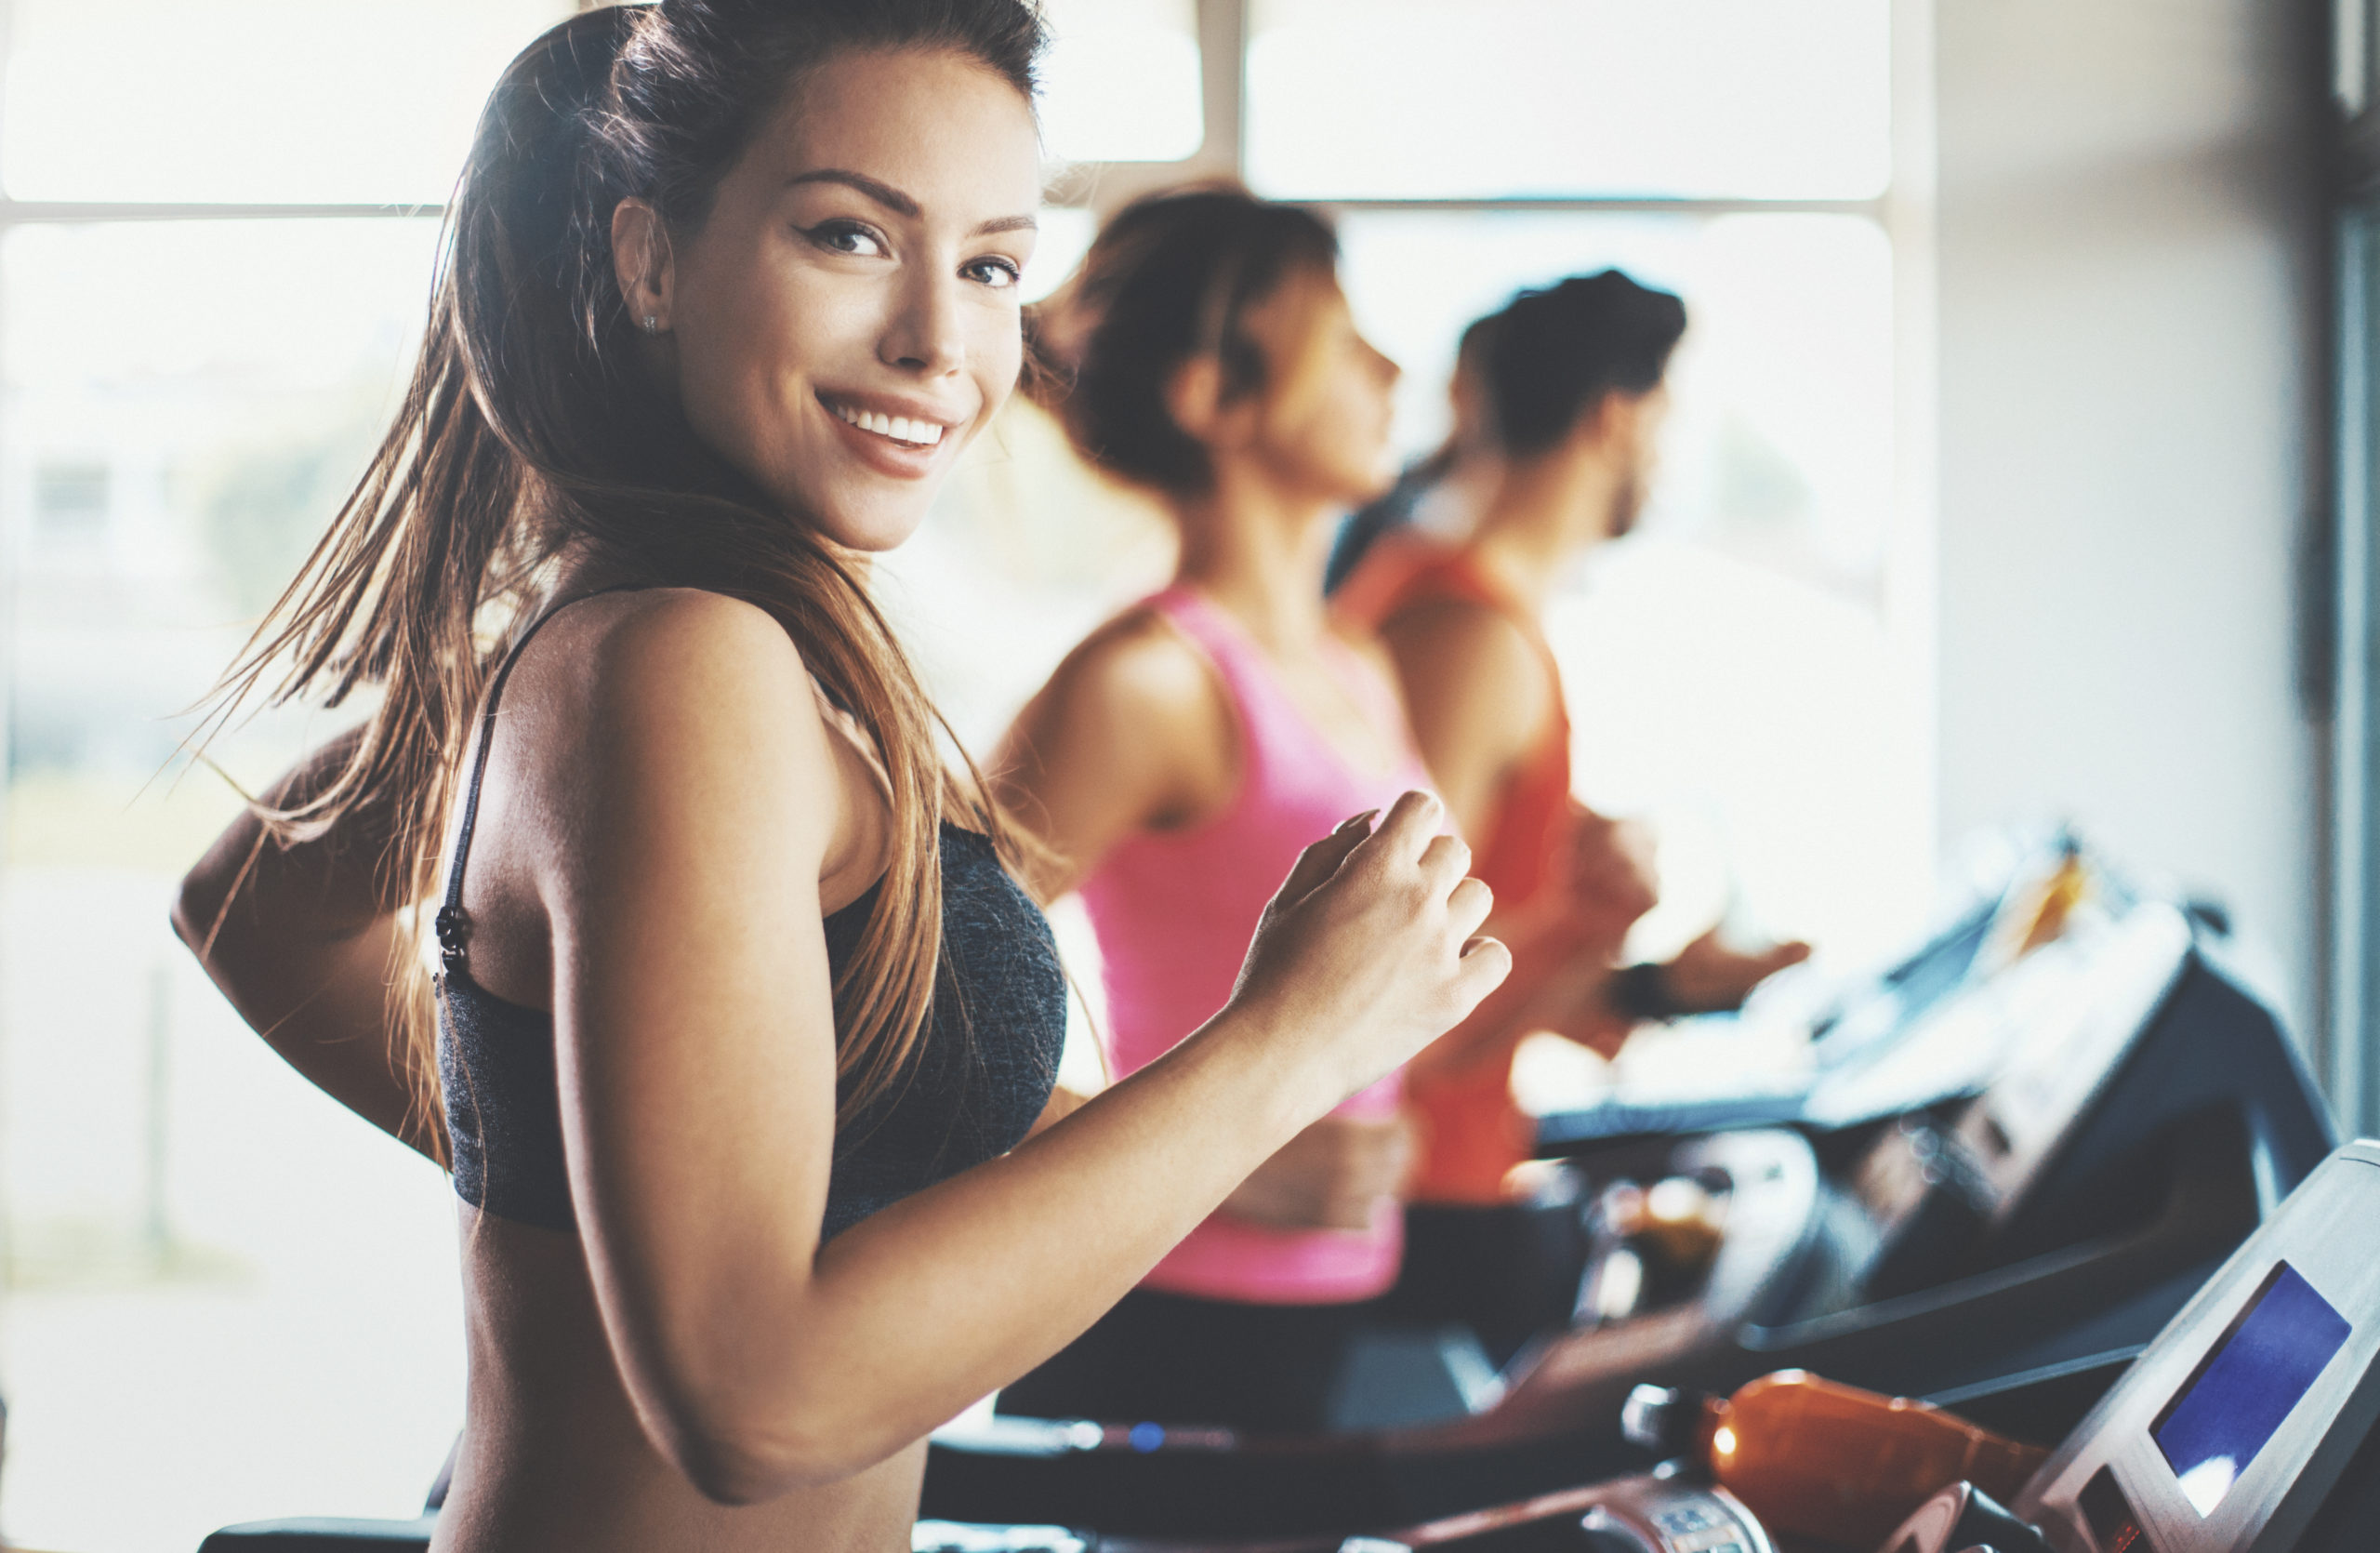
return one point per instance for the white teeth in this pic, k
(918, 434)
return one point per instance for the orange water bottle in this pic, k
(1814, 1458)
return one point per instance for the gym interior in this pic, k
(1985, 677)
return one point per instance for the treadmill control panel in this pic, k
(2232, 1428)
(1697, 1523)
(2065, 1021)
(1628, 1515)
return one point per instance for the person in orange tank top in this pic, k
(1574, 388)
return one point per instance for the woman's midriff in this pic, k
(553, 1457)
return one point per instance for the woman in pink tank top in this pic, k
(1180, 758)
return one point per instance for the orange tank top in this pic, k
(1474, 1133)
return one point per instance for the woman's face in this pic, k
(1321, 422)
(845, 320)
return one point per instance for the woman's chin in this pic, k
(872, 528)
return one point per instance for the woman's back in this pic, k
(553, 1449)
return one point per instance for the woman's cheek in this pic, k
(1002, 354)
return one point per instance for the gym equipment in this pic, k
(2112, 1109)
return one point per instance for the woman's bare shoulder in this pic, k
(653, 651)
(623, 637)
(1136, 656)
(681, 676)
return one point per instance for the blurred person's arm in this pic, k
(301, 940)
(1711, 976)
(1133, 733)
(1479, 699)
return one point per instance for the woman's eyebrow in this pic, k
(881, 192)
(900, 204)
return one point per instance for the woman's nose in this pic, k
(923, 335)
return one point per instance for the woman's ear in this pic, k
(1194, 397)
(643, 264)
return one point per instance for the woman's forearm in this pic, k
(300, 942)
(324, 1006)
(954, 1292)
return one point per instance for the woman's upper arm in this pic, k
(697, 797)
(1129, 733)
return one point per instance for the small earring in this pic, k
(651, 324)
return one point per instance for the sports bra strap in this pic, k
(454, 929)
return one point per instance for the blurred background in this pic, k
(2019, 469)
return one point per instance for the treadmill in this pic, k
(2124, 1113)
(1899, 1038)
(2250, 1425)
(2247, 1425)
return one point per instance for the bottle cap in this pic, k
(1663, 1420)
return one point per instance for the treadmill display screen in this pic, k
(2243, 1390)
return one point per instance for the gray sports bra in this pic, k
(980, 1078)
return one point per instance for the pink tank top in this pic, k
(1174, 910)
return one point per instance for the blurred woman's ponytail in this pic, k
(1171, 278)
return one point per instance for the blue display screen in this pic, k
(2224, 1417)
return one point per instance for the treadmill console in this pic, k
(2104, 971)
(2236, 1425)
(2064, 1020)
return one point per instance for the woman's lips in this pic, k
(904, 446)
(901, 429)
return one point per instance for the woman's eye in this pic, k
(849, 237)
(997, 273)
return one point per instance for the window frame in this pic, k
(2345, 1049)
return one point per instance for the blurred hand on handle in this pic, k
(1708, 977)
(1609, 877)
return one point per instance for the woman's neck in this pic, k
(579, 570)
(1259, 554)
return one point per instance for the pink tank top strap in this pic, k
(1272, 722)
(1270, 728)
(1224, 642)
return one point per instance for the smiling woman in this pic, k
(743, 1021)
(775, 321)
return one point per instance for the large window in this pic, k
(221, 1298)
(1751, 671)
(1565, 99)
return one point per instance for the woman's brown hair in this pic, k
(529, 426)
(1171, 278)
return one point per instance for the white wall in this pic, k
(2129, 257)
